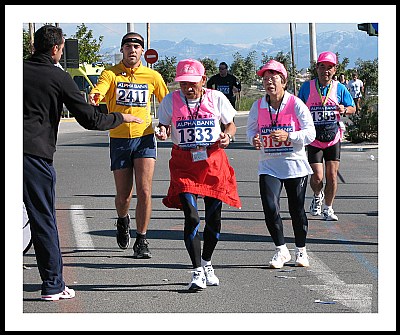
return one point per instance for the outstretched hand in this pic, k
(131, 118)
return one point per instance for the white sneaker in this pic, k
(211, 278)
(301, 258)
(68, 293)
(329, 215)
(316, 204)
(198, 281)
(279, 259)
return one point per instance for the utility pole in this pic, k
(313, 43)
(148, 35)
(153, 97)
(293, 64)
(130, 27)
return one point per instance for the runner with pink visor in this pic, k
(273, 65)
(190, 70)
(328, 57)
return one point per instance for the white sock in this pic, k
(199, 269)
(303, 249)
(283, 248)
(205, 263)
(327, 207)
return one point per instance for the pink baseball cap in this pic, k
(189, 70)
(328, 57)
(274, 66)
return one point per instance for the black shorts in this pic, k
(317, 155)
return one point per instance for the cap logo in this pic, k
(188, 69)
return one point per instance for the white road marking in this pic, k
(81, 229)
(358, 297)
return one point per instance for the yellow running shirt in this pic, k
(129, 90)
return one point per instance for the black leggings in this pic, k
(212, 227)
(270, 190)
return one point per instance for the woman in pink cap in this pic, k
(199, 166)
(280, 126)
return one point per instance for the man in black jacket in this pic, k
(226, 83)
(46, 89)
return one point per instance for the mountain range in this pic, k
(353, 45)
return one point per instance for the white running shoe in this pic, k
(316, 204)
(68, 293)
(198, 281)
(279, 259)
(211, 278)
(329, 214)
(302, 258)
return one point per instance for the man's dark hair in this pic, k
(223, 64)
(47, 37)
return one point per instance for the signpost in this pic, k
(151, 56)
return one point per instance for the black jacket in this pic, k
(224, 84)
(46, 89)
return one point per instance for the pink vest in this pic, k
(196, 128)
(287, 120)
(325, 114)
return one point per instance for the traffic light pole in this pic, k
(370, 28)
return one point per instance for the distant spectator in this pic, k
(356, 88)
(342, 79)
(226, 83)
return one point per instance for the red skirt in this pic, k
(213, 177)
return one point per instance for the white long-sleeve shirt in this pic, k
(291, 165)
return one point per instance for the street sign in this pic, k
(151, 56)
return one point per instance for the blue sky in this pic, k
(203, 24)
(214, 33)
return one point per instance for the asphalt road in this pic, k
(338, 291)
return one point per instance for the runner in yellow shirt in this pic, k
(127, 87)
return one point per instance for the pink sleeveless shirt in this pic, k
(324, 110)
(287, 120)
(197, 127)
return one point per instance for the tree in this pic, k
(88, 46)
(210, 65)
(26, 44)
(341, 67)
(364, 126)
(166, 68)
(244, 68)
(368, 73)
